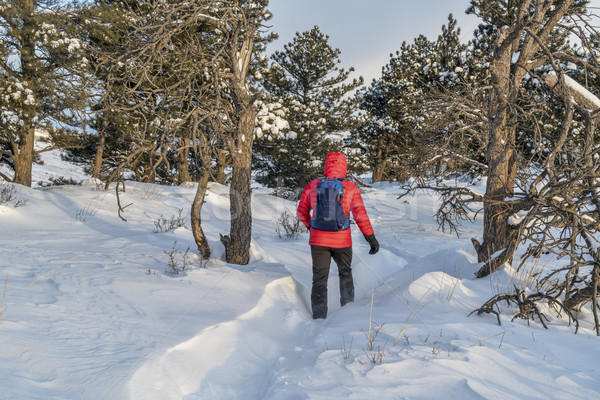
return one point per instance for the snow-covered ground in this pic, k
(88, 311)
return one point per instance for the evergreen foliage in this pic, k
(314, 92)
(540, 112)
(148, 90)
(43, 74)
(400, 122)
(110, 134)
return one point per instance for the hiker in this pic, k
(331, 200)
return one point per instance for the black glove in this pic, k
(373, 242)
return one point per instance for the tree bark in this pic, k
(377, 175)
(221, 158)
(507, 75)
(501, 160)
(23, 150)
(196, 215)
(22, 155)
(499, 152)
(237, 245)
(100, 150)
(380, 160)
(183, 154)
(239, 53)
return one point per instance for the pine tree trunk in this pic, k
(237, 245)
(100, 150)
(149, 173)
(379, 166)
(149, 177)
(196, 215)
(22, 156)
(240, 51)
(507, 77)
(501, 165)
(23, 151)
(220, 166)
(383, 150)
(183, 166)
(377, 175)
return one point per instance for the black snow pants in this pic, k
(321, 259)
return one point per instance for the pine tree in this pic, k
(314, 91)
(384, 132)
(42, 75)
(185, 77)
(111, 134)
(531, 93)
(449, 128)
(149, 89)
(519, 63)
(401, 123)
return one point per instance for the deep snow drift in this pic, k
(89, 312)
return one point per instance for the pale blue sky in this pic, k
(367, 31)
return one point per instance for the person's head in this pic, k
(336, 165)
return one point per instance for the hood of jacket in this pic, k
(336, 165)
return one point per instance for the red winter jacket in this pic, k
(335, 167)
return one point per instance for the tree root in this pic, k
(528, 307)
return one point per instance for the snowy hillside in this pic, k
(90, 313)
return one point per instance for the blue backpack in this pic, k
(329, 213)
